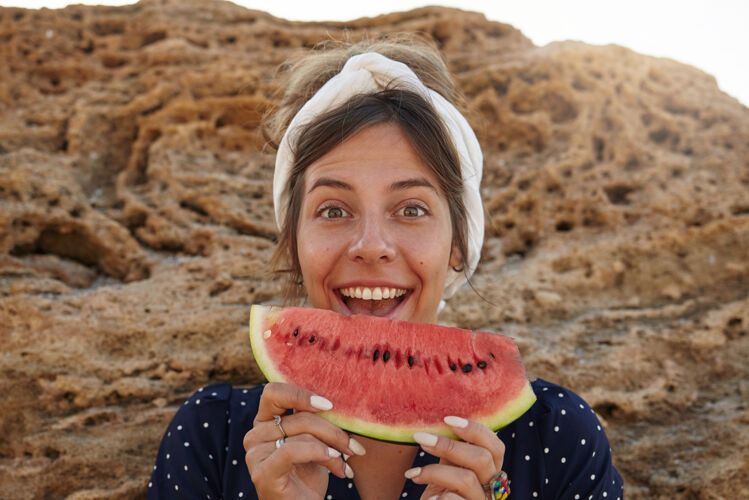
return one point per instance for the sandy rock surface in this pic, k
(136, 230)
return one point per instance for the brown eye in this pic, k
(412, 211)
(333, 213)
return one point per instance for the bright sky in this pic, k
(709, 34)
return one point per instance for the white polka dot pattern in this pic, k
(556, 450)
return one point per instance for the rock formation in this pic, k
(136, 230)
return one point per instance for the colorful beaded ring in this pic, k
(498, 489)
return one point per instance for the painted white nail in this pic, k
(412, 473)
(425, 438)
(346, 457)
(456, 422)
(356, 446)
(349, 472)
(332, 452)
(320, 403)
(434, 497)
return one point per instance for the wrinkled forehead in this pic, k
(377, 154)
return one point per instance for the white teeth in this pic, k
(377, 293)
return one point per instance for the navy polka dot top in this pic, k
(556, 450)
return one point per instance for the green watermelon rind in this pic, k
(259, 316)
(265, 315)
(507, 415)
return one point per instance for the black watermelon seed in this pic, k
(467, 368)
(481, 364)
(410, 361)
(376, 355)
(453, 366)
(311, 339)
(386, 356)
(296, 332)
(492, 355)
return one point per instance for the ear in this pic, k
(456, 258)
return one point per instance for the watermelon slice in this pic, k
(388, 379)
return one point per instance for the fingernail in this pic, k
(356, 447)
(412, 473)
(456, 422)
(349, 472)
(425, 439)
(320, 403)
(332, 452)
(434, 497)
(346, 457)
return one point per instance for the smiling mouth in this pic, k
(377, 301)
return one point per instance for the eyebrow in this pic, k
(326, 181)
(409, 183)
(396, 186)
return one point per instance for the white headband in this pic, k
(370, 73)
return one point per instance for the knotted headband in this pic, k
(370, 73)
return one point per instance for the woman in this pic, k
(376, 193)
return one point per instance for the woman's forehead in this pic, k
(399, 182)
(375, 152)
(366, 176)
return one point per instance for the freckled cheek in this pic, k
(310, 241)
(426, 243)
(428, 257)
(317, 254)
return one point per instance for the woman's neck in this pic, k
(378, 475)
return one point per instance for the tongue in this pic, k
(372, 307)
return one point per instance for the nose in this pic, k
(371, 243)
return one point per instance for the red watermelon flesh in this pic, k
(387, 378)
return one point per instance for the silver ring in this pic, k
(277, 419)
(280, 442)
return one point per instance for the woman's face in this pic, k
(374, 234)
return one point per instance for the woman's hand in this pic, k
(298, 469)
(464, 466)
